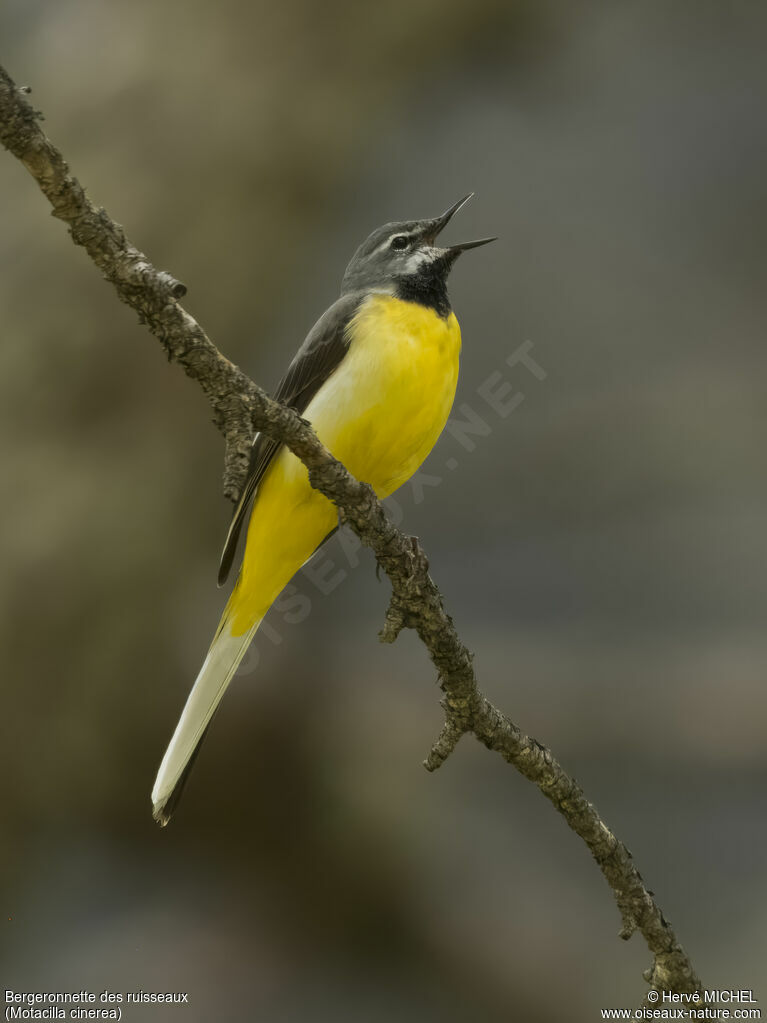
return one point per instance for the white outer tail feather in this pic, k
(224, 656)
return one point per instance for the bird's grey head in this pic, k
(403, 259)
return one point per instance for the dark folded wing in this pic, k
(319, 356)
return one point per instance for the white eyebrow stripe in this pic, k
(395, 234)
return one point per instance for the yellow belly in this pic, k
(380, 414)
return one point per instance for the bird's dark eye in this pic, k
(400, 241)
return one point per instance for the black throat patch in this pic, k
(427, 287)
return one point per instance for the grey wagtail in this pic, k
(376, 378)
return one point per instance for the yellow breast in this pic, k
(380, 413)
(384, 408)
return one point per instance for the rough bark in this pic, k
(239, 407)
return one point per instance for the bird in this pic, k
(376, 377)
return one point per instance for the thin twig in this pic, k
(239, 407)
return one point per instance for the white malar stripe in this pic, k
(419, 258)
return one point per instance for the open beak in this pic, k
(437, 225)
(456, 250)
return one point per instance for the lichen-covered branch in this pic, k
(239, 407)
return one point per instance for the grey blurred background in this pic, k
(602, 548)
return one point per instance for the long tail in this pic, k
(226, 652)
